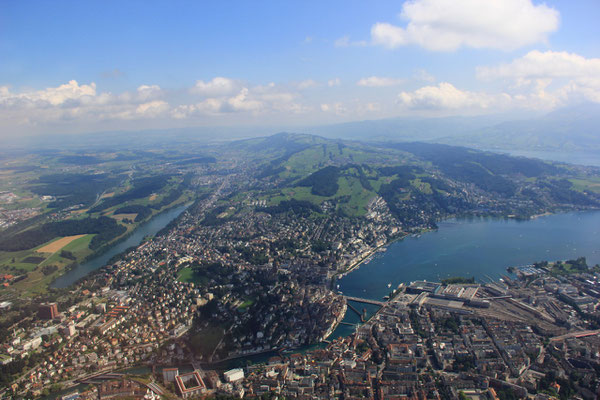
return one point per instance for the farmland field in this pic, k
(58, 244)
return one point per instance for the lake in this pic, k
(149, 228)
(473, 247)
(571, 157)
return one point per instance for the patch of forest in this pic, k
(73, 189)
(196, 160)
(142, 212)
(105, 229)
(482, 169)
(299, 207)
(142, 187)
(323, 182)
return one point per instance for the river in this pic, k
(148, 228)
(478, 247)
(473, 247)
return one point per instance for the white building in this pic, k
(234, 375)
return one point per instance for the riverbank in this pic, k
(147, 228)
(335, 323)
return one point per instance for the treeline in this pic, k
(169, 198)
(483, 169)
(80, 160)
(362, 176)
(560, 191)
(142, 212)
(142, 187)
(404, 172)
(403, 199)
(444, 156)
(458, 280)
(196, 160)
(105, 229)
(271, 169)
(299, 207)
(251, 256)
(73, 189)
(212, 217)
(323, 182)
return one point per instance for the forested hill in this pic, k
(420, 182)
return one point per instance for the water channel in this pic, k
(148, 228)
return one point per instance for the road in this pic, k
(575, 334)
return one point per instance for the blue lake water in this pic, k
(574, 157)
(479, 247)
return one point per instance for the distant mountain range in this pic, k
(573, 129)
(568, 129)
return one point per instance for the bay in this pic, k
(473, 247)
(149, 228)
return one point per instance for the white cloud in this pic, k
(345, 41)
(334, 82)
(218, 86)
(556, 77)
(52, 96)
(146, 92)
(443, 96)
(254, 100)
(423, 75)
(549, 64)
(73, 102)
(336, 108)
(369, 108)
(378, 81)
(446, 25)
(243, 102)
(152, 108)
(308, 83)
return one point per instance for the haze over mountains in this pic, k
(567, 129)
(569, 134)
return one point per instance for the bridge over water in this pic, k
(366, 301)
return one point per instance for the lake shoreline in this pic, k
(458, 217)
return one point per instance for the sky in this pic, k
(85, 66)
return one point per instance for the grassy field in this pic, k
(205, 341)
(58, 244)
(245, 305)
(186, 275)
(590, 185)
(36, 281)
(121, 217)
(424, 187)
(359, 197)
(352, 197)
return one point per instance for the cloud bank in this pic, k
(446, 25)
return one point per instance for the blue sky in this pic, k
(77, 66)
